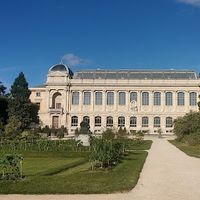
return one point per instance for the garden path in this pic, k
(168, 174)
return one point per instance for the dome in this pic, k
(61, 68)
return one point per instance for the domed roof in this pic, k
(61, 68)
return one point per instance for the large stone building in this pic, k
(136, 99)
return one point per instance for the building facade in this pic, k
(136, 99)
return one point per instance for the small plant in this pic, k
(11, 167)
(108, 134)
(159, 133)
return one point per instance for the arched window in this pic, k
(157, 122)
(145, 98)
(145, 121)
(181, 99)
(168, 99)
(133, 122)
(97, 121)
(86, 119)
(133, 96)
(75, 98)
(87, 98)
(193, 98)
(109, 121)
(122, 98)
(110, 98)
(169, 122)
(121, 121)
(157, 99)
(74, 121)
(56, 100)
(98, 98)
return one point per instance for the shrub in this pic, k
(105, 153)
(108, 134)
(188, 124)
(192, 139)
(122, 133)
(11, 167)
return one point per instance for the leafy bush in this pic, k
(186, 125)
(108, 134)
(105, 153)
(122, 133)
(192, 139)
(11, 167)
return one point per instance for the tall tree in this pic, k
(19, 105)
(2, 89)
(3, 104)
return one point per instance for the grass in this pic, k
(193, 151)
(80, 179)
(70, 173)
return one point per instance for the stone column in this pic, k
(104, 100)
(127, 100)
(187, 101)
(162, 101)
(116, 102)
(81, 101)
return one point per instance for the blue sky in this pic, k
(90, 34)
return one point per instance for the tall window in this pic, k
(145, 98)
(121, 121)
(133, 122)
(193, 98)
(168, 99)
(98, 98)
(75, 98)
(145, 121)
(87, 98)
(110, 98)
(74, 121)
(157, 122)
(133, 96)
(181, 99)
(122, 98)
(109, 121)
(97, 121)
(157, 99)
(169, 122)
(86, 119)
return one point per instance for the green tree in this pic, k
(19, 105)
(2, 89)
(3, 109)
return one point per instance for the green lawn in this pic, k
(70, 173)
(189, 150)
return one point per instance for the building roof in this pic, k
(62, 68)
(136, 74)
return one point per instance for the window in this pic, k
(157, 99)
(157, 122)
(110, 98)
(181, 99)
(121, 121)
(193, 98)
(145, 122)
(169, 122)
(133, 122)
(87, 98)
(98, 98)
(37, 94)
(168, 99)
(122, 98)
(133, 96)
(58, 105)
(55, 122)
(145, 98)
(97, 121)
(38, 104)
(75, 98)
(86, 119)
(109, 121)
(74, 121)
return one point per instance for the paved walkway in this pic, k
(168, 174)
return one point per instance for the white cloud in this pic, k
(73, 60)
(191, 2)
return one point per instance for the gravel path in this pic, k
(168, 174)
